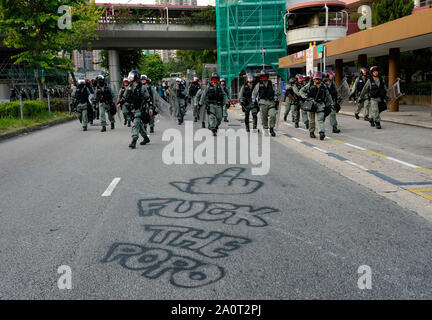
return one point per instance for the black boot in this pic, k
(203, 125)
(255, 122)
(125, 122)
(226, 119)
(103, 129)
(312, 135)
(378, 125)
(145, 141)
(366, 118)
(84, 128)
(179, 122)
(285, 117)
(273, 134)
(322, 135)
(307, 125)
(133, 143)
(357, 116)
(372, 123)
(91, 122)
(112, 126)
(296, 124)
(336, 130)
(214, 132)
(129, 124)
(247, 129)
(151, 129)
(196, 119)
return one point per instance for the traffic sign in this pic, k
(320, 48)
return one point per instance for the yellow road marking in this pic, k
(421, 192)
(424, 169)
(375, 153)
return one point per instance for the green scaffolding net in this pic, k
(244, 28)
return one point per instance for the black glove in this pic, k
(243, 108)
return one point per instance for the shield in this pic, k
(344, 90)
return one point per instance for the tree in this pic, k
(33, 27)
(192, 59)
(388, 10)
(129, 60)
(153, 66)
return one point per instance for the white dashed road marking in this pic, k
(111, 187)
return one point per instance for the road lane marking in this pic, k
(356, 165)
(421, 192)
(355, 147)
(320, 150)
(111, 187)
(403, 162)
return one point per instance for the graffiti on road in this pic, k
(227, 213)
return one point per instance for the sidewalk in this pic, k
(413, 115)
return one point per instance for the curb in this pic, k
(37, 128)
(427, 126)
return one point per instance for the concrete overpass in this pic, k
(126, 26)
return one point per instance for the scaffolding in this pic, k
(250, 33)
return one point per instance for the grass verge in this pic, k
(11, 125)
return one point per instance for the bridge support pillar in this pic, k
(339, 71)
(394, 62)
(362, 60)
(114, 70)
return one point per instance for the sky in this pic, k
(200, 2)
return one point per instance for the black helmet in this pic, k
(100, 78)
(291, 80)
(264, 72)
(134, 75)
(215, 75)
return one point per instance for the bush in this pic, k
(31, 108)
(417, 88)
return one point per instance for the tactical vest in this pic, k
(333, 91)
(106, 95)
(377, 91)
(180, 93)
(136, 97)
(247, 94)
(290, 91)
(122, 92)
(266, 92)
(215, 95)
(318, 94)
(81, 95)
(194, 89)
(360, 84)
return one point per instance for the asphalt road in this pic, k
(204, 231)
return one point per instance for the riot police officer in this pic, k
(125, 111)
(329, 80)
(180, 94)
(214, 99)
(266, 100)
(104, 99)
(317, 93)
(300, 83)
(193, 90)
(80, 98)
(227, 105)
(357, 88)
(291, 102)
(138, 101)
(247, 104)
(377, 90)
(202, 112)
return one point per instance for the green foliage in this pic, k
(31, 108)
(388, 10)
(204, 17)
(191, 59)
(129, 60)
(153, 66)
(32, 27)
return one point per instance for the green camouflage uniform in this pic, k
(213, 99)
